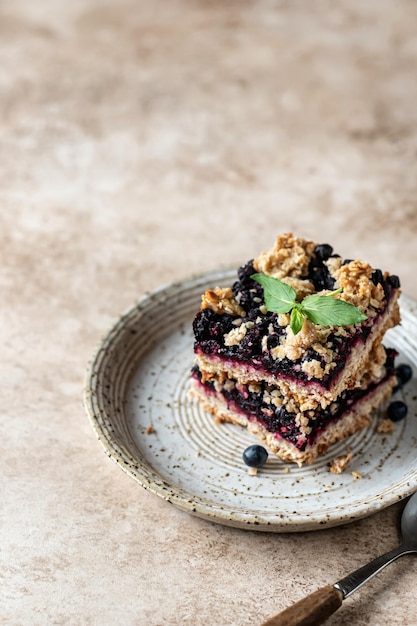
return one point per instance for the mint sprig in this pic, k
(325, 310)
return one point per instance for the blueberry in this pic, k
(321, 278)
(347, 261)
(397, 411)
(404, 373)
(377, 277)
(255, 456)
(393, 281)
(323, 251)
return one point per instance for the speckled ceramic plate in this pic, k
(136, 398)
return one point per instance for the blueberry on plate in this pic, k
(404, 373)
(397, 410)
(255, 456)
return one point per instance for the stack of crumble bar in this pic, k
(299, 393)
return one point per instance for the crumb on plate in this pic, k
(338, 465)
(386, 426)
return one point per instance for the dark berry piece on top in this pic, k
(323, 251)
(394, 281)
(377, 277)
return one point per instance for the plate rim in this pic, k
(178, 496)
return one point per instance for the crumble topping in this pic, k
(284, 319)
(302, 421)
(294, 350)
(313, 369)
(310, 335)
(222, 300)
(289, 256)
(355, 278)
(235, 336)
(290, 259)
(302, 287)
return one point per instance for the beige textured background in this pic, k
(141, 141)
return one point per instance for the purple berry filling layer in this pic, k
(210, 327)
(283, 423)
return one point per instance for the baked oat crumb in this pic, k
(235, 336)
(294, 346)
(303, 288)
(289, 256)
(387, 426)
(313, 368)
(355, 278)
(252, 471)
(338, 465)
(222, 300)
(356, 475)
(150, 430)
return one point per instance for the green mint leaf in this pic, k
(296, 321)
(328, 311)
(279, 297)
(324, 310)
(335, 292)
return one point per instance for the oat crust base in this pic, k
(357, 418)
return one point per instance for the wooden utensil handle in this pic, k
(310, 611)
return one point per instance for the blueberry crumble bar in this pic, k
(298, 391)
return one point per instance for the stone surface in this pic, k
(141, 142)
